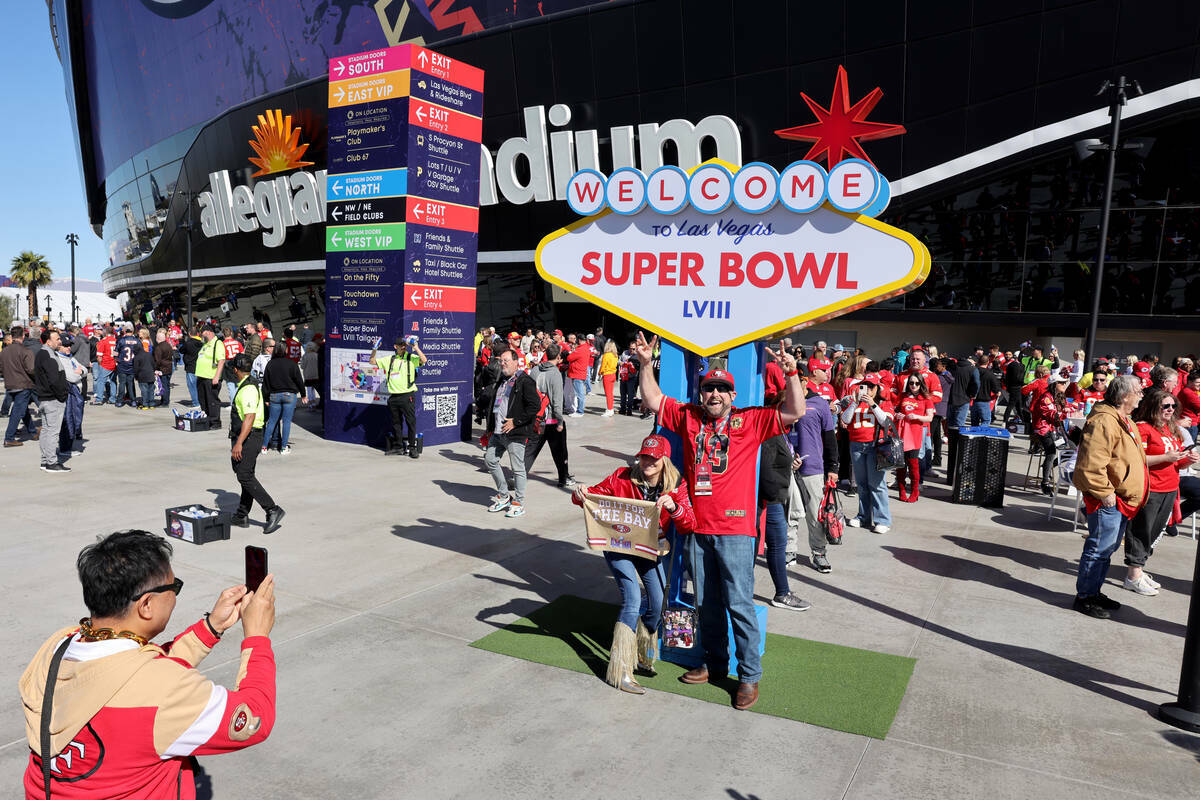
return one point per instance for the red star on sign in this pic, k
(842, 126)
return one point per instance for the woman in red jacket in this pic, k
(1048, 413)
(635, 638)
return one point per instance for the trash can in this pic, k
(980, 464)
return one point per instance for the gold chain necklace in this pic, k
(90, 634)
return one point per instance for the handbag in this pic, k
(889, 450)
(831, 515)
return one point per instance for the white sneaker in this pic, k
(882, 528)
(1140, 586)
(515, 509)
(577, 414)
(1150, 580)
(854, 522)
(608, 413)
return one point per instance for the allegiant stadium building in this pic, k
(994, 171)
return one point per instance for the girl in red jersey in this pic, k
(914, 412)
(862, 415)
(635, 638)
(1163, 442)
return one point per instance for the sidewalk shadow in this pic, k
(1039, 561)
(1183, 740)
(961, 569)
(624, 458)
(477, 461)
(1094, 680)
(550, 575)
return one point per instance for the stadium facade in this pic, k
(171, 100)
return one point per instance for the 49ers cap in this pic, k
(717, 376)
(656, 446)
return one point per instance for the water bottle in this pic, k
(420, 443)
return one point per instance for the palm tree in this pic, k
(30, 270)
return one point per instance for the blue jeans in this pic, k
(165, 400)
(283, 406)
(147, 394)
(776, 534)
(192, 390)
(231, 387)
(723, 570)
(1106, 527)
(126, 389)
(981, 413)
(872, 486)
(581, 393)
(19, 412)
(628, 570)
(958, 415)
(106, 385)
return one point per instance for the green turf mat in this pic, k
(857, 691)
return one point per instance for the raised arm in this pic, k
(651, 394)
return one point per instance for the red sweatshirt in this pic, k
(127, 718)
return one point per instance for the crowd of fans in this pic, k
(51, 374)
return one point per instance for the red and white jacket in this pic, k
(127, 718)
(620, 484)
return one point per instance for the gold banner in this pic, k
(623, 525)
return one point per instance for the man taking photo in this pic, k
(109, 714)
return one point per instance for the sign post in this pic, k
(402, 235)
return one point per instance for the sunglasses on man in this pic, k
(175, 586)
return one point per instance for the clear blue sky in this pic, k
(41, 189)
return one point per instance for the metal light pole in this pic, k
(73, 239)
(187, 226)
(1118, 97)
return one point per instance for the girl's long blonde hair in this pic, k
(669, 478)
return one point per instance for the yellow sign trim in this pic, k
(915, 277)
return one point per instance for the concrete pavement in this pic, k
(388, 567)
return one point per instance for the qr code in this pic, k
(447, 410)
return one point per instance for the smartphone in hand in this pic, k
(256, 566)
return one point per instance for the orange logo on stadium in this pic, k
(277, 144)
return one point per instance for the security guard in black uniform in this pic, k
(400, 377)
(246, 433)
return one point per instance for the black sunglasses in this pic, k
(1165, 406)
(175, 586)
(723, 388)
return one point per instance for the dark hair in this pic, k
(872, 366)
(243, 363)
(923, 391)
(1151, 401)
(553, 351)
(118, 566)
(46, 334)
(280, 351)
(17, 332)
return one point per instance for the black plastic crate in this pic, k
(191, 424)
(197, 530)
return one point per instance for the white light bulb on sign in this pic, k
(585, 192)
(667, 190)
(710, 189)
(626, 191)
(802, 187)
(756, 187)
(853, 185)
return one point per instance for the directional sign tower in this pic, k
(402, 235)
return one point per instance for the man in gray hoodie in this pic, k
(554, 431)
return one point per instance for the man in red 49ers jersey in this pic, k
(128, 715)
(720, 459)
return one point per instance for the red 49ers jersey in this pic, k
(730, 447)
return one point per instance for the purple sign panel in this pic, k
(368, 136)
(443, 167)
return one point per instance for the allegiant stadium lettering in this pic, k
(273, 205)
(550, 158)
